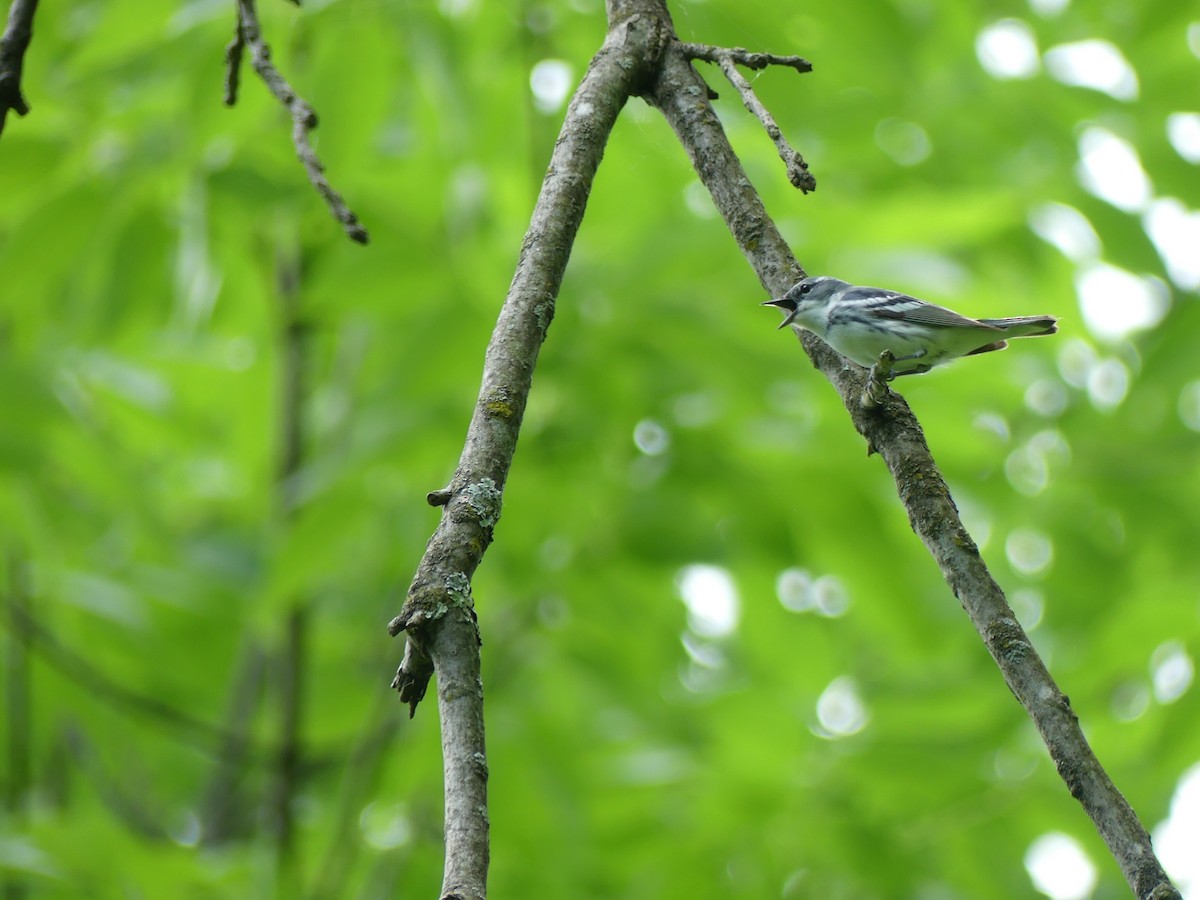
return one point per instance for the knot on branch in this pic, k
(425, 611)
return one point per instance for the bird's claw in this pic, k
(876, 389)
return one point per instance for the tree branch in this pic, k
(304, 118)
(438, 614)
(292, 661)
(728, 60)
(13, 44)
(894, 432)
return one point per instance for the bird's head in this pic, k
(812, 292)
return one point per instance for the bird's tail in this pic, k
(1025, 326)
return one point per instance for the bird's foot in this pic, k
(876, 389)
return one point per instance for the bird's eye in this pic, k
(805, 288)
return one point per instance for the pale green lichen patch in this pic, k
(544, 313)
(484, 499)
(458, 586)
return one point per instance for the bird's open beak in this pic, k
(783, 303)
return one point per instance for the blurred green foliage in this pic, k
(835, 731)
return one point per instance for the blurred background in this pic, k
(717, 661)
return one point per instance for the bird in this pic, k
(865, 323)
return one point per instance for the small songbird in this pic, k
(861, 323)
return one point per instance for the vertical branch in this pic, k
(18, 32)
(17, 751)
(290, 758)
(223, 809)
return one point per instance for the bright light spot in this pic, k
(1177, 838)
(699, 201)
(1067, 229)
(1029, 606)
(1047, 397)
(793, 587)
(1008, 49)
(550, 81)
(138, 385)
(711, 599)
(905, 142)
(1109, 168)
(976, 518)
(384, 826)
(1130, 701)
(1193, 39)
(1051, 444)
(556, 553)
(455, 9)
(1028, 467)
(1027, 471)
(992, 423)
(1075, 360)
(830, 596)
(703, 653)
(653, 765)
(1189, 405)
(541, 19)
(1013, 765)
(1107, 384)
(1059, 867)
(651, 438)
(695, 410)
(799, 592)
(1175, 231)
(1029, 552)
(187, 830)
(1183, 131)
(1094, 64)
(239, 354)
(1171, 671)
(1115, 302)
(1048, 8)
(20, 855)
(840, 710)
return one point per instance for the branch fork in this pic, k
(248, 35)
(729, 59)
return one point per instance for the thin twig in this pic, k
(743, 57)
(896, 434)
(304, 118)
(233, 64)
(728, 60)
(13, 44)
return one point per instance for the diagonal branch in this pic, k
(13, 44)
(438, 615)
(729, 60)
(894, 432)
(304, 119)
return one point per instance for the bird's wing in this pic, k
(904, 308)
